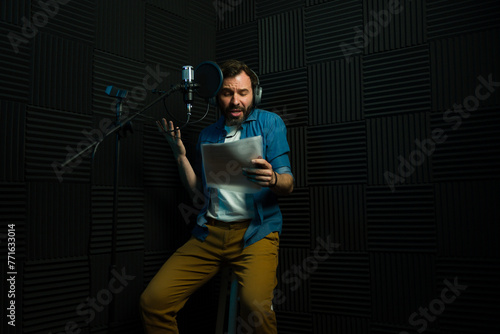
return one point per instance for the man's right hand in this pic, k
(173, 136)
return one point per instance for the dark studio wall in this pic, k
(392, 116)
(57, 58)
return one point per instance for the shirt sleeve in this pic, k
(277, 149)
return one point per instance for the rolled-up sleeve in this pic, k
(277, 149)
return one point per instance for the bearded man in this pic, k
(235, 229)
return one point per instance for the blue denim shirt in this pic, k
(275, 150)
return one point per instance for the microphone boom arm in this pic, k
(121, 124)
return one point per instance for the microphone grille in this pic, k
(187, 73)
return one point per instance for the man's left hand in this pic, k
(262, 173)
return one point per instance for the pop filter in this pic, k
(209, 77)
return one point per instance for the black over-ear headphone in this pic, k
(257, 93)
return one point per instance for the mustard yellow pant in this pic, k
(196, 262)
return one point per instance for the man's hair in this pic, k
(232, 68)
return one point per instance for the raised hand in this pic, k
(173, 136)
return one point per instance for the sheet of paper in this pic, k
(223, 164)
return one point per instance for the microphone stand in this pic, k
(119, 124)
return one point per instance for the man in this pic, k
(236, 229)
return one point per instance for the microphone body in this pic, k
(188, 79)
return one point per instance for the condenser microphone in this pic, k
(188, 79)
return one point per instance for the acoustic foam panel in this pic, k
(377, 328)
(169, 217)
(338, 214)
(281, 41)
(285, 94)
(402, 221)
(101, 272)
(294, 322)
(396, 82)
(177, 7)
(72, 20)
(294, 276)
(267, 8)
(393, 25)
(315, 2)
(202, 29)
(117, 288)
(400, 150)
(298, 158)
(53, 137)
(122, 73)
(230, 14)
(337, 154)
(327, 324)
(467, 217)
(166, 40)
(14, 199)
(335, 92)
(55, 294)
(202, 32)
(130, 224)
(296, 219)
(460, 64)
(153, 260)
(130, 171)
(14, 11)
(160, 168)
(329, 25)
(59, 220)
(341, 285)
(241, 43)
(445, 18)
(120, 28)
(401, 282)
(61, 75)
(12, 120)
(468, 148)
(474, 284)
(15, 62)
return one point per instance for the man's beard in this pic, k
(236, 121)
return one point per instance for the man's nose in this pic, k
(235, 100)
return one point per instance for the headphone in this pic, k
(257, 93)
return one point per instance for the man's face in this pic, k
(235, 98)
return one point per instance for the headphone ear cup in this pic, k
(257, 96)
(213, 101)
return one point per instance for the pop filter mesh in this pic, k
(209, 76)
